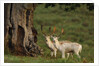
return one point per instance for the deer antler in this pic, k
(50, 29)
(54, 29)
(62, 31)
(51, 33)
(42, 30)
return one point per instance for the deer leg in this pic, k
(63, 54)
(67, 55)
(52, 53)
(72, 55)
(78, 55)
(55, 52)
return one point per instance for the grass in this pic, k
(41, 59)
(78, 27)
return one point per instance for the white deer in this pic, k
(67, 47)
(49, 43)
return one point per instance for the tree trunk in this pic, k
(19, 34)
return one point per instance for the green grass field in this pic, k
(78, 27)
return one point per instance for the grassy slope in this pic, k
(78, 26)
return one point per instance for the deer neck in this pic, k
(57, 43)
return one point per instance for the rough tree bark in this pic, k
(19, 34)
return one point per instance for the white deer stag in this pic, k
(49, 43)
(67, 47)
